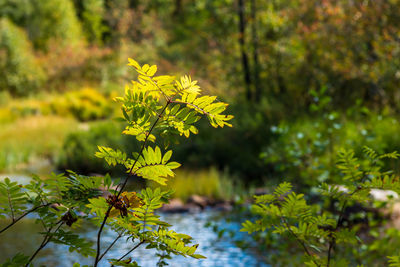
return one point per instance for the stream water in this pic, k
(219, 251)
(222, 251)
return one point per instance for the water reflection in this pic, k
(219, 252)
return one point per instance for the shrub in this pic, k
(20, 72)
(92, 16)
(329, 233)
(85, 105)
(54, 19)
(80, 146)
(209, 183)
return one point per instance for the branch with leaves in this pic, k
(153, 106)
(317, 230)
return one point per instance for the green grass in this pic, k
(33, 129)
(209, 183)
(31, 139)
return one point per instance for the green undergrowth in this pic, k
(305, 150)
(31, 138)
(210, 183)
(34, 129)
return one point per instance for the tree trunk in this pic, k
(242, 43)
(177, 9)
(256, 78)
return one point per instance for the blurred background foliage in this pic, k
(304, 77)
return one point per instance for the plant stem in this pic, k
(45, 241)
(132, 249)
(97, 259)
(332, 242)
(22, 216)
(300, 242)
(110, 246)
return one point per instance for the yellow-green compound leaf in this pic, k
(152, 70)
(394, 261)
(111, 156)
(152, 165)
(188, 86)
(98, 206)
(133, 63)
(208, 106)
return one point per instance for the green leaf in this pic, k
(153, 166)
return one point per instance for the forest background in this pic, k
(303, 79)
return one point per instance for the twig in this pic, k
(132, 249)
(297, 238)
(299, 241)
(332, 242)
(45, 241)
(97, 259)
(110, 246)
(22, 216)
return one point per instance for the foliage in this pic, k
(209, 183)
(55, 200)
(21, 72)
(85, 105)
(19, 152)
(153, 107)
(214, 148)
(53, 20)
(92, 16)
(327, 235)
(16, 10)
(80, 146)
(305, 150)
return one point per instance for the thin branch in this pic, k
(168, 99)
(297, 238)
(195, 107)
(299, 241)
(132, 249)
(97, 259)
(45, 241)
(22, 216)
(332, 242)
(110, 246)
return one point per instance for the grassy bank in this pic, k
(32, 139)
(211, 183)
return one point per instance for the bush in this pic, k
(210, 183)
(92, 16)
(79, 148)
(85, 105)
(236, 149)
(54, 19)
(344, 226)
(305, 151)
(20, 72)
